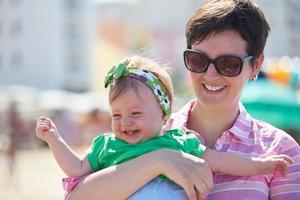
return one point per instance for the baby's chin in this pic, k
(132, 139)
(135, 137)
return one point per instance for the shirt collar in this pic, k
(242, 128)
(179, 119)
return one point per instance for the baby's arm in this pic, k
(67, 159)
(234, 164)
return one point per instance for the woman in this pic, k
(225, 42)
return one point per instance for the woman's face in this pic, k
(213, 90)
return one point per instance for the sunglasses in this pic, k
(227, 65)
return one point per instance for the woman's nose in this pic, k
(211, 72)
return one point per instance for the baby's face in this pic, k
(136, 117)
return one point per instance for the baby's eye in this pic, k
(136, 113)
(116, 116)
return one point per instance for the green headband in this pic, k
(145, 76)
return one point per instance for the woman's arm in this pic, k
(119, 182)
(237, 165)
(67, 159)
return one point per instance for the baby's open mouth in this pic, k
(131, 132)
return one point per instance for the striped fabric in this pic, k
(250, 137)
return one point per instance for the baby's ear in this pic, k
(164, 116)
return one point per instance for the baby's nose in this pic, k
(126, 120)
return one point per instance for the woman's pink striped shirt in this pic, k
(251, 137)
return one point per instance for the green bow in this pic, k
(116, 72)
(158, 89)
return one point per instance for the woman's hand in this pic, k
(190, 172)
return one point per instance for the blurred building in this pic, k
(283, 16)
(70, 44)
(152, 28)
(46, 44)
(125, 26)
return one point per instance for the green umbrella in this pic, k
(273, 103)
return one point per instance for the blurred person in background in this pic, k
(66, 121)
(95, 122)
(225, 49)
(13, 125)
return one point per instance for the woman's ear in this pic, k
(257, 66)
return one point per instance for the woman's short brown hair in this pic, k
(242, 16)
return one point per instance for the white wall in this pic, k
(44, 43)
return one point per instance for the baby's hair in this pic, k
(124, 83)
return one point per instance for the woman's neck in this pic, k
(212, 123)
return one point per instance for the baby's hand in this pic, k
(46, 129)
(276, 163)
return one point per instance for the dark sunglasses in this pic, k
(227, 65)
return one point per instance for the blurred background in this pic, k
(54, 56)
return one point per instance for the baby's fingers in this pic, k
(42, 127)
(282, 168)
(282, 162)
(43, 119)
(286, 158)
(282, 165)
(44, 122)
